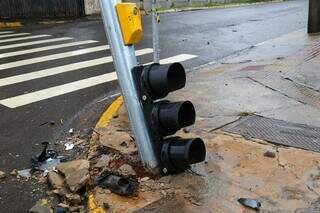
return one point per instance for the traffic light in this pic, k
(164, 118)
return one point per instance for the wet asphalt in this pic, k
(210, 34)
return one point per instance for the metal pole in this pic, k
(155, 33)
(314, 16)
(124, 60)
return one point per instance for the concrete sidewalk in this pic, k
(276, 79)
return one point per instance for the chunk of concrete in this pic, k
(76, 173)
(38, 208)
(55, 180)
(118, 140)
(126, 170)
(103, 161)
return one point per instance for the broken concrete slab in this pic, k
(76, 173)
(42, 206)
(126, 170)
(74, 199)
(103, 161)
(118, 140)
(55, 180)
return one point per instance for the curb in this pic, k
(186, 9)
(15, 24)
(103, 122)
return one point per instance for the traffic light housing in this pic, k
(164, 118)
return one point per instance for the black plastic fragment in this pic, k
(116, 184)
(251, 203)
(46, 154)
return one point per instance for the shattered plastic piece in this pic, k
(251, 203)
(46, 161)
(117, 184)
(71, 131)
(25, 173)
(68, 146)
(49, 165)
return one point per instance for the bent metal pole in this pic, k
(124, 60)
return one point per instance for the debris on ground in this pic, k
(117, 184)
(119, 141)
(55, 180)
(250, 203)
(26, 173)
(103, 161)
(2, 175)
(71, 131)
(14, 172)
(46, 161)
(269, 154)
(74, 199)
(68, 146)
(127, 171)
(76, 173)
(42, 206)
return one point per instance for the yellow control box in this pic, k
(130, 22)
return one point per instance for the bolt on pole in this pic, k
(155, 33)
(124, 60)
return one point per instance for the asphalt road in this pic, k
(46, 76)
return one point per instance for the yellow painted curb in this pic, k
(103, 122)
(93, 206)
(110, 112)
(10, 24)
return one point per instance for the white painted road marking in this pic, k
(52, 47)
(34, 43)
(52, 57)
(57, 90)
(23, 38)
(40, 95)
(5, 32)
(13, 35)
(177, 58)
(63, 69)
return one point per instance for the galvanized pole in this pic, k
(155, 33)
(124, 60)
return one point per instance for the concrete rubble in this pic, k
(76, 173)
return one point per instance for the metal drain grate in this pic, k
(277, 132)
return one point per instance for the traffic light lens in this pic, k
(187, 114)
(162, 79)
(171, 117)
(197, 151)
(178, 154)
(176, 77)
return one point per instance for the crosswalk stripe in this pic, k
(57, 90)
(52, 57)
(52, 47)
(23, 38)
(5, 32)
(177, 58)
(62, 69)
(34, 43)
(40, 95)
(13, 35)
